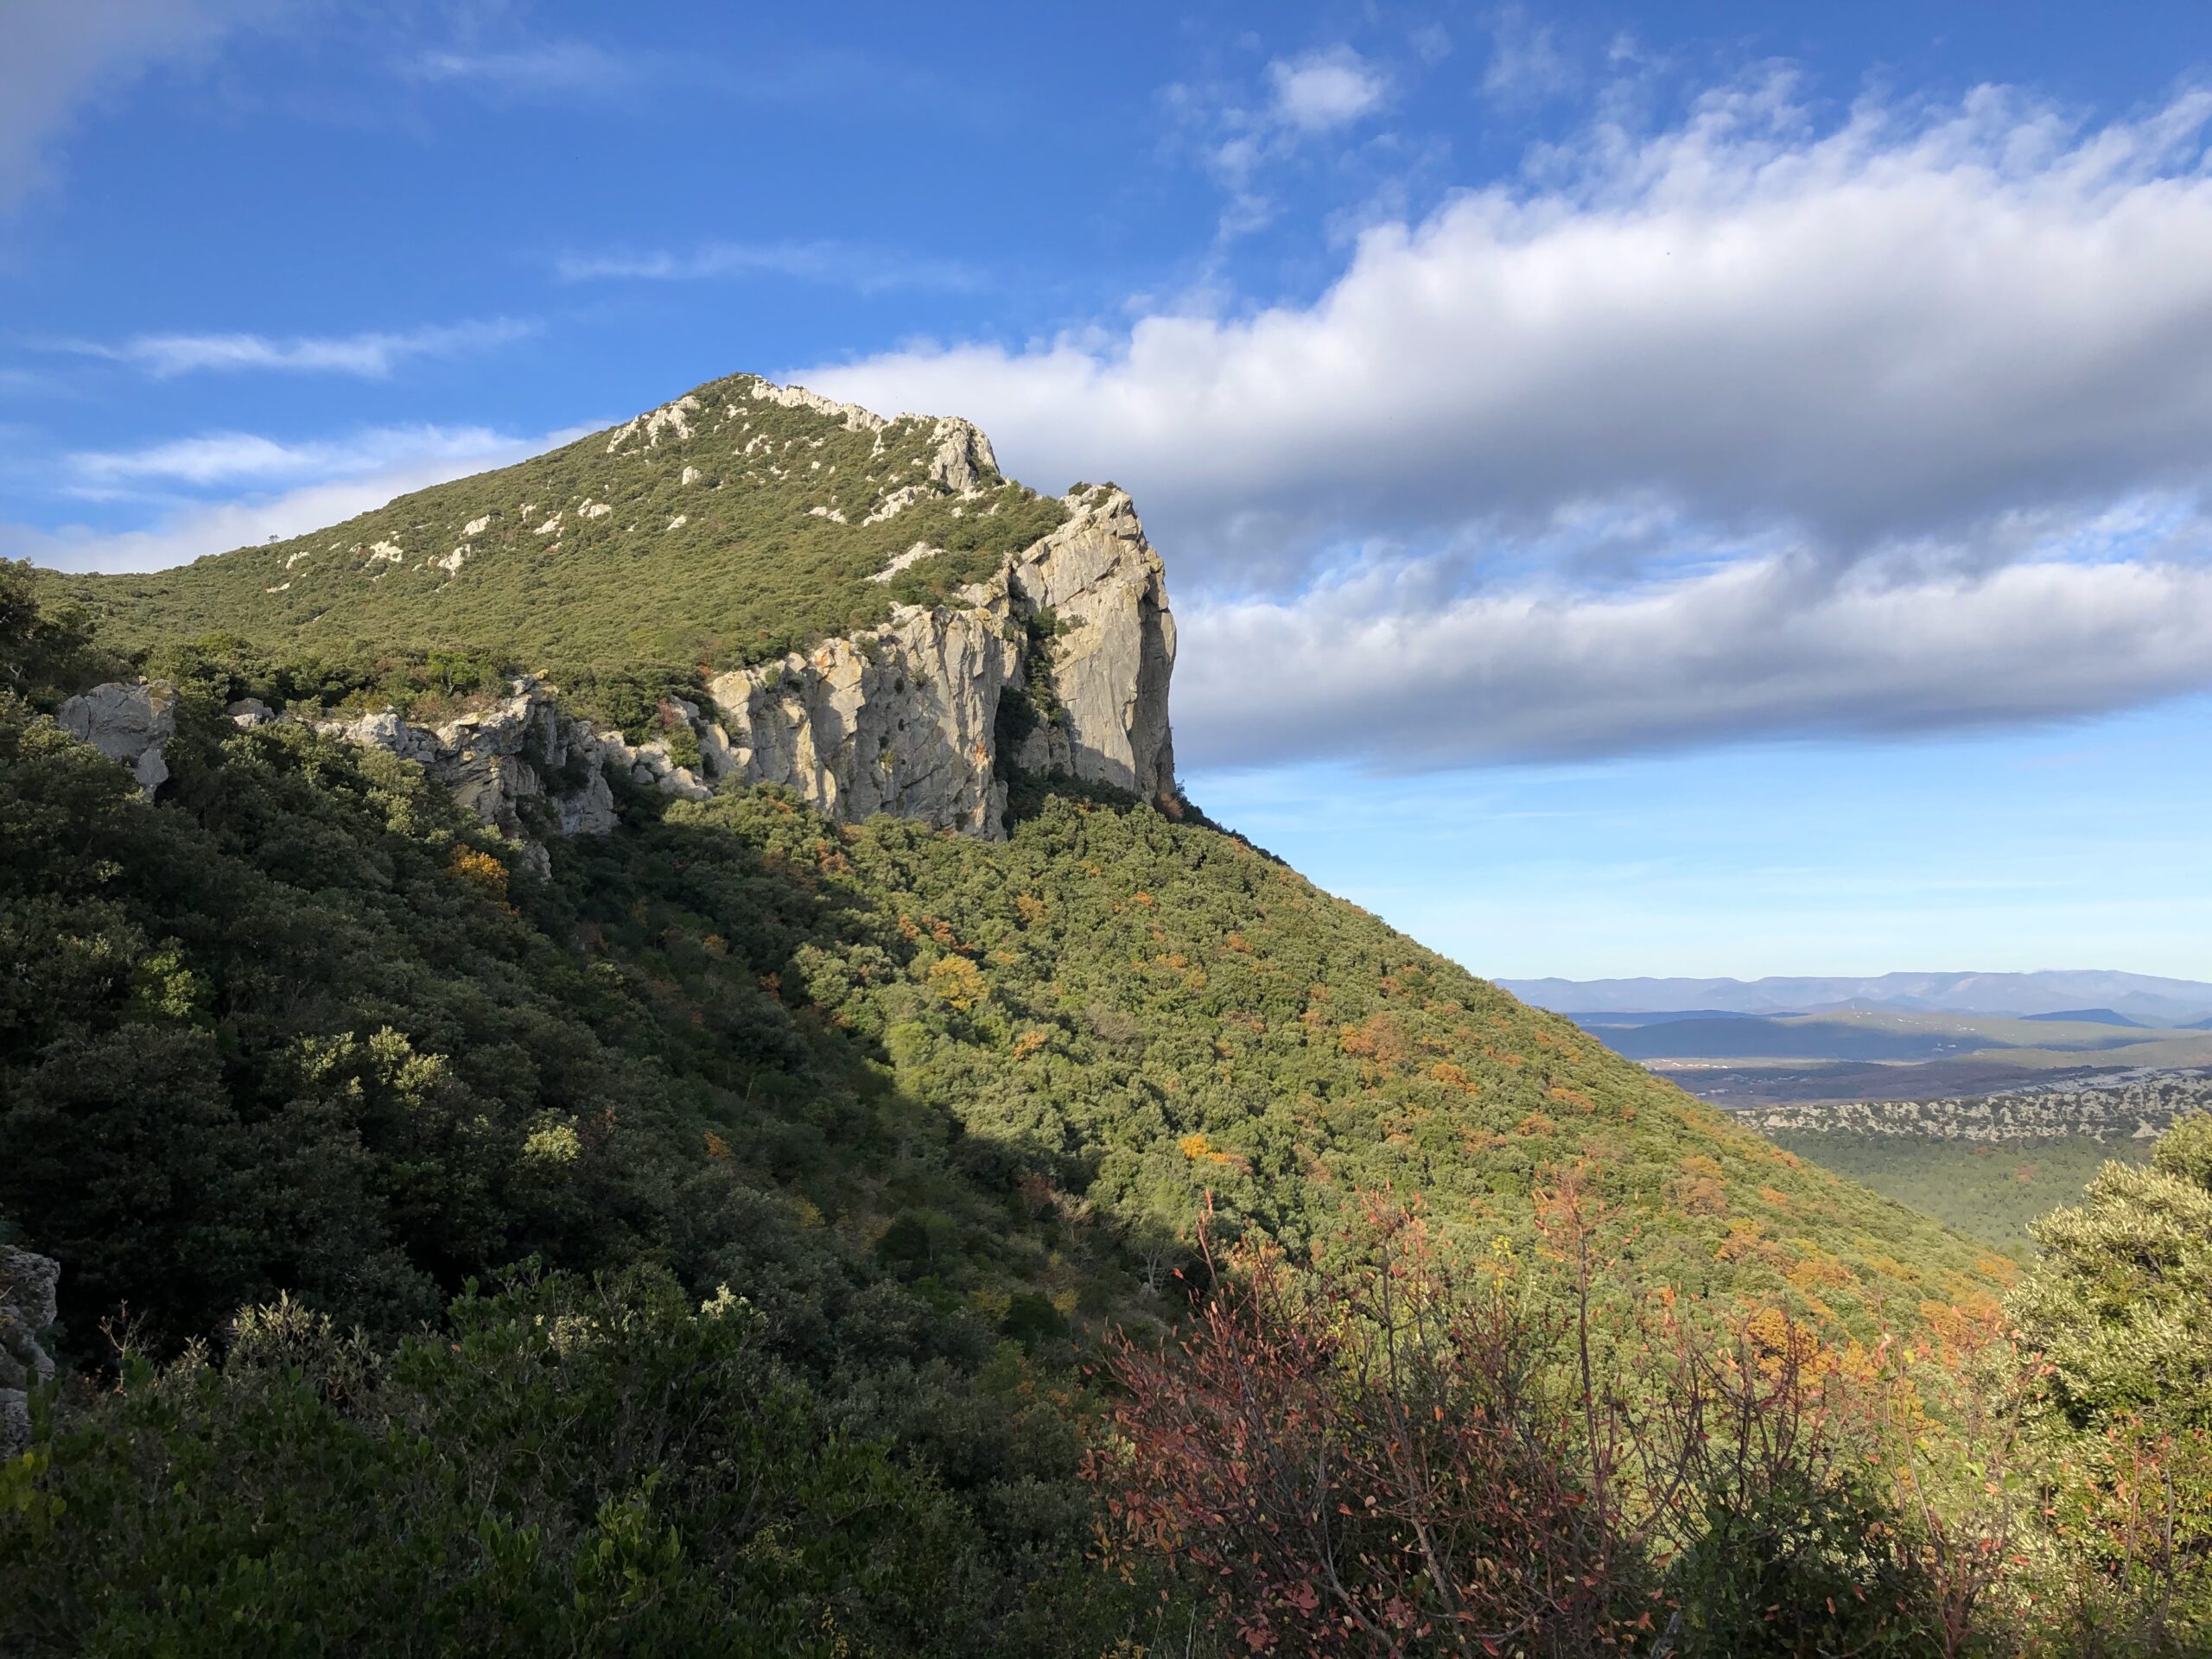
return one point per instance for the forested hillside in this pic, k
(1113, 1013)
(747, 1230)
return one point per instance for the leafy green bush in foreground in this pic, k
(566, 1468)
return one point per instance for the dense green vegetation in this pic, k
(929, 1106)
(1397, 1449)
(1992, 1189)
(2121, 1299)
(562, 1468)
(708, 1246)
(593, 557)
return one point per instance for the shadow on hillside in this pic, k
(757, 875)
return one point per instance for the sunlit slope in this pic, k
(1142, 1010)
(728, 527)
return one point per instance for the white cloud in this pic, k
(56, 54)
(1866, 332)
(1764, 648)
(1307, 100)
(229, 457)
(867, 270)
(1526, 64)
(539, 69)
(1324, 90)
(329, 483)
(371, 356)
(1766, 359)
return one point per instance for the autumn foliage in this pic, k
(1389, 1449)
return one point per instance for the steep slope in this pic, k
(1110, 1015)
(794, 1138)
(890, 627)
(1131, 1010)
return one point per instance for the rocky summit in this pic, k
(954, 628)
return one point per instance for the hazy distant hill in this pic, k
(2142, 997)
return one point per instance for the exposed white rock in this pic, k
(128, 723)
(294, 559)
(452, 561)
(963, 458)
(905, 720)
(249, 712)
(913, 555)
(1115, 652)
(388, 552)
(27, 1311)
(895, 503)
(492, 761)
(854, 417)
(669, 420)
(281, 587)
(900, 721)
(475, 527)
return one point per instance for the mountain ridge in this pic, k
(2154, 999)
(973, 628)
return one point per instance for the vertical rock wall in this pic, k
(907, 719)
(27, 1287)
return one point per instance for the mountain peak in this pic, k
(861, 608)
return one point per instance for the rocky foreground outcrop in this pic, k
(1057, 663)
(26, 1288)
(130, 723)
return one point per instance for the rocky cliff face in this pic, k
(26, 1287)
(130, 723)
(1058, 662)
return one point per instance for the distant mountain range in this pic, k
(2086, 994)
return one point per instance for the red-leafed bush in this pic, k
(1384, 1451)
(1370, 1459)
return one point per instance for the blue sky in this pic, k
(1675, 489)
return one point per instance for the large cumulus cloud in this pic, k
(1749, 426)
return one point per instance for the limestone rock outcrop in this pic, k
(1058, 662)
(1073, 636)
(907, 719)
(27, 1308)
(897, 721)
(524, 753)
(127, 722)
(1112, 648)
